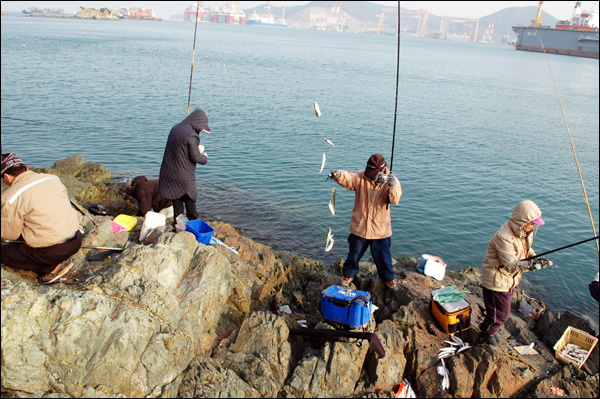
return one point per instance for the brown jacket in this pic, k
(501, 269)
(37, 207)
(371, 214)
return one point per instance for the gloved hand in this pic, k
(540, 263)
(334, 174)
(392, 180)
(382, 178)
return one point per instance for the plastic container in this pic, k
(126, 221)
(152, 220)
(202, 230)
(345, 306)
(578, 337)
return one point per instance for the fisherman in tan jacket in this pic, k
(371, 224)
(504, 264)
(36, 209)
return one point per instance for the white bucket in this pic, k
(152, 220)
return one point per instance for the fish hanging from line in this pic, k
(317, 109)
(323, 162)
(329, 241)
(330, 142)
(332, 202)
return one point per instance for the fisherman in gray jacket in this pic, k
(177, 179)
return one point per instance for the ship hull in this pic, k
(265, 24)
(557, 41)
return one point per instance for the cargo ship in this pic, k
(267, 19)
(577, 36)
(230, 14)
(144, 14)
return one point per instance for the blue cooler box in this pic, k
(346, 306)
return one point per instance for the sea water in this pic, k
(479, 128)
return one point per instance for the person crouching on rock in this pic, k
(37, 209)
(504, 265)
(146, 193)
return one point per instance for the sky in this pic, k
(165, 9)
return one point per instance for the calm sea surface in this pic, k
(479, 129)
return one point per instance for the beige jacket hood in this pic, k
(501, 270)
(371, 214)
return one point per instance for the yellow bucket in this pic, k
(126, 221)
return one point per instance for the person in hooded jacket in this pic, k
(177, 179)
(504, 265)
(146, 193)
(375, 189)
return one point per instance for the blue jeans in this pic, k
(382, 255)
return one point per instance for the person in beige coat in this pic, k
(37, 212)
(371, 224)
(504, 264)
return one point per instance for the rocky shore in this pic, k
(181, 319)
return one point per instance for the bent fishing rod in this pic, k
(397, 76)
(193, 53)
(561, 248)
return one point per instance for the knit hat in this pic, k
(374, 165)
(9, 160)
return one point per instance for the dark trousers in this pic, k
(39, 260)
(497, 310)
(190, 207)
(382, 255)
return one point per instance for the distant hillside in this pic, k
(364, 16)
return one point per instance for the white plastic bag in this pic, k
(181, 221)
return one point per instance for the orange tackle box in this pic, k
(453, 317)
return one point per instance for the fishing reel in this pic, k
(539, 263)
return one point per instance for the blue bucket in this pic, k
(202, 230)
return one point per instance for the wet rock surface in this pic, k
(181, 319)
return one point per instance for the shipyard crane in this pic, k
(444, 26)
(332, 20)
(537, 22)
(487, 36)
(422, 14)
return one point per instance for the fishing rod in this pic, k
(83, 246)
(561, 248)
(535, 26)
(397, 75)
(193, 53)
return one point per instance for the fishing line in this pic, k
(38, 122)
(193, 53)
(397, 76)
(570, 138)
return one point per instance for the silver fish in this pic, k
(463, 348)
(332, 202)
(329, 241)
(457, 340)
(323, 162)
(317, 109)
(452, 343)
(330, 142)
